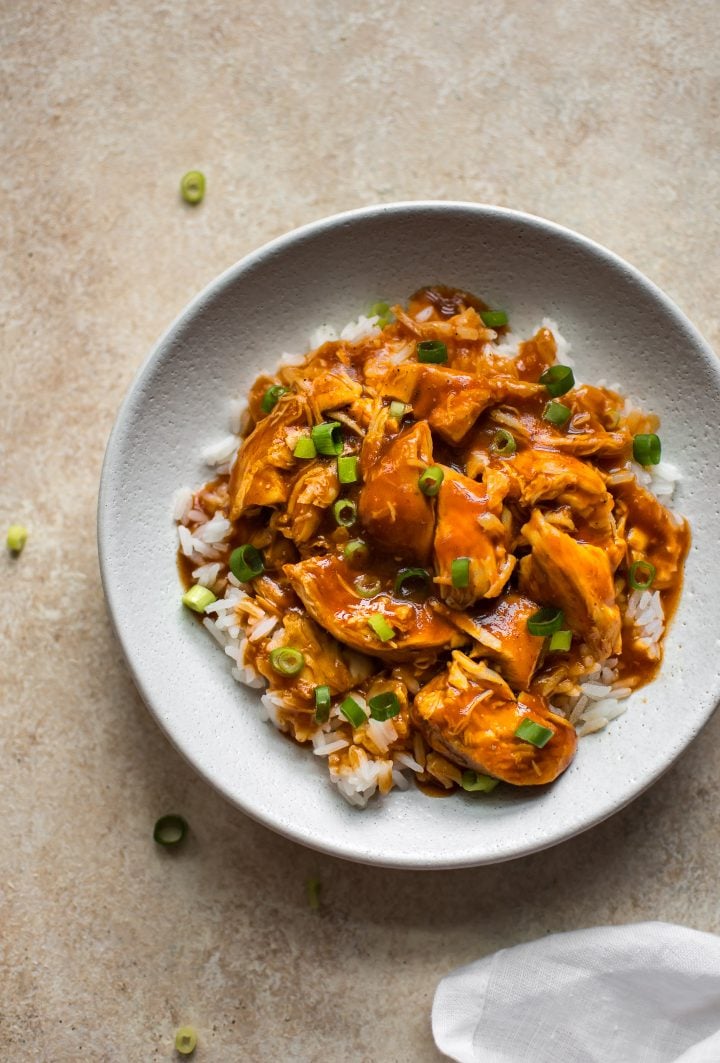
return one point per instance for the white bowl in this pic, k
(622, 328)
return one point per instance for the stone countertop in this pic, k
(601, 117)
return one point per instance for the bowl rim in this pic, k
(111, 592)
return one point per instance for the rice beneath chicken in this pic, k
(250, 619)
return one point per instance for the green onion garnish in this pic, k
(558, 379)
(170, 830)
(379, 309)
(313, 887)
(556, 413)
(381, 627)
(322, 704)
(411, 579)
(647, 449)
(367, 586)
(473, 782)
(503, 443)
(546, 621)
(641, 575)
(246, 563)
(384, 706)
(432, 351)
(271, 397)
(286, 660)
(16, 537)
(399, 409)
(347, 466)
(494, 318)
(198, 598)
(460, 572)
(192, 186)
(305, 448)
(353, 712)
(429, 482)
(185, 1040)
(561, 641)
(534, 733)
(345, 512)
(356, 552)
(327, 437)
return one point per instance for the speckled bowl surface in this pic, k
(622, 328)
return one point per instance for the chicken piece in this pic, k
(392, 508)
(516, 652)
(529, 427)
(260, 475)
(327, 379)
(450, 400)
(535, 355)
(326, 586)
(469, 526)
(653, 533)
(470, 714)
(575, 577)
(315, 489)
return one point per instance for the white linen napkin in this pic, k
(644, 993)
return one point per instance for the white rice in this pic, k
(221, 452)
(181, 504)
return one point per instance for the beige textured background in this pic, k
(600, 116)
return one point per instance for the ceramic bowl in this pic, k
(622, 328)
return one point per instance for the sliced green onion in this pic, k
(558, 379)
(327, 437)
(356, 552)
(170, 830)
(503, 443)
(399, 409)
(198, 598)
(561, 641)
(647, 449)
(192, 186)
(246, 563)
(473, 782)
(322, 704)
(430, 480)
(379, 309)
(384, 706)
(347, 466)
(16, 537)
(410, 579)
(641, 575)
(534, 733)
(433, 352)
(380, 626)
(353, 712)
(556, 413)
(546, 621)
(271, 397)
(305, 448)
(460, 572)
(185, 1040)
(345, 512)
(286, 660)
(313, 887)
(494, 318)
(367, 586)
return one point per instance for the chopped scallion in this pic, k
(367, 586)
(412, 580)
(460, 572)
(545, 621)
(380, 626)
(494, 318)
(286, 660)
(534, 733)
(353, 712)
(558, 379)
(433, 352)
(16, 537)
(561, 641)
(305, 448)
(198, 598)
(170, 830)
(556, 413)
(185, 1040)
(503, 443)
(322, 704)
(347, 465)
(192, 187)
(327, 438)
(345, 512)
(379, 310)
(384, 706)
(246, 563)
(356, 552)
(474, 782)
(647, 449)
(313, 887)
(430, 480)
(641, 575)
(271, 397)
(398, 410)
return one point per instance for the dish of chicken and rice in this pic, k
(439, 555)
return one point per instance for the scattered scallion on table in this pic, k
(557, 380)
(186, 1040)
(432, 352)
(198, 598)
(430, 480)
(246, 563)
(545, 621)
(534, 733)
(641, 575)
(647, 449)
(16, 537)
(192, 187)
(384, 706)
(287, 661)
(313, 887)
(170, 830)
